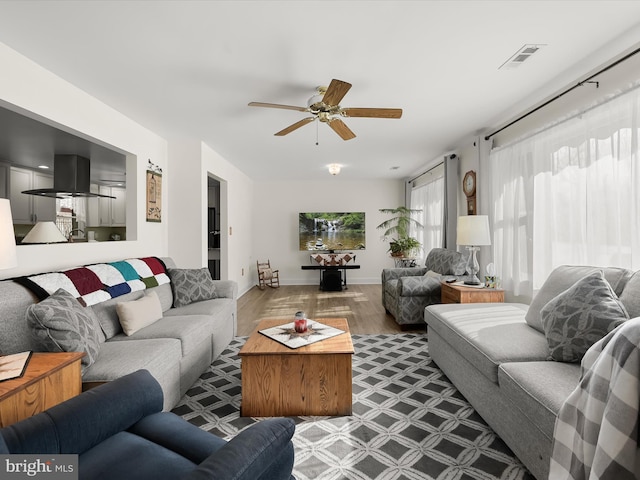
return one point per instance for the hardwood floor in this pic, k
(361, 305)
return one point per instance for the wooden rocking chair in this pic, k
(267, 277)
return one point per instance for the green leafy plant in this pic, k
(397, 229)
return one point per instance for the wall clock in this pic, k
(469, 189)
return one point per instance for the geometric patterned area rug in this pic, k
(409, 422)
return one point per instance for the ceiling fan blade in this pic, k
(373, 112)
(336, 92)
(277, 105)
(295, 126)
(341, 129)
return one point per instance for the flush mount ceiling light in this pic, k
(334, 168)
(518, 58)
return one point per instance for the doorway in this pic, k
(213, 227)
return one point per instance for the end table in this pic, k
(50, 379)
(456, 293)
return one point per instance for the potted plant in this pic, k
(397, 228)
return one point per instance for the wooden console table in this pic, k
(328, 268)
(50, 379)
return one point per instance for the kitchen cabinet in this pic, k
(107, 212)
(29, 209)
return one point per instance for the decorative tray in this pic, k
(287, 335)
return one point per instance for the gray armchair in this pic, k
(407, 291)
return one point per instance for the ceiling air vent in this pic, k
(521, 56)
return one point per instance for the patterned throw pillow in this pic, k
(191, 285)
(62, 324)
(580, 316)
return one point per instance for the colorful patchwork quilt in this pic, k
(96, 283)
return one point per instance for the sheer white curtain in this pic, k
(569, 194)
(429, 198)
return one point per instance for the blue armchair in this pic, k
(119, 431)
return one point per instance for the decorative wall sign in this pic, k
(154, 196)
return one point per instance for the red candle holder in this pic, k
(300, 325)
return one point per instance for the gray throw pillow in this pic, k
(61, 324)
(191, 285)
(580, 316)
(562, 278)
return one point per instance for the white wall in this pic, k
(276, 207)
(27, 87)
(236, 217)
(188, 203)
(192, 162)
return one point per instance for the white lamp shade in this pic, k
(474, 230)
(8, 257)
(44, 232)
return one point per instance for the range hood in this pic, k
(71, 178)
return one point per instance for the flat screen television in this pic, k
(322, 231)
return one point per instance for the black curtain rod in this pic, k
(425, 172)
(579, 84)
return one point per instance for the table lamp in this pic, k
(44, 232)
(473, 231)
(8, 256)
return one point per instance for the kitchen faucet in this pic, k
(71, 234)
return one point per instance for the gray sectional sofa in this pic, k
(497, 356)
(176, 349)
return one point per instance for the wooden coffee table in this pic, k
(278, 381)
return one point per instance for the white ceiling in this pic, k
(191, 67)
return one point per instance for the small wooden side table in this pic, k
(50, 379)
(455, 293)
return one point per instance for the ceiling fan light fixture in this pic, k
(315, 100)
(334, 168)
(325, 107)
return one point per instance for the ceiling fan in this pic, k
(324, 106)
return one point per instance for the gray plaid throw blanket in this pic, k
(596, 433)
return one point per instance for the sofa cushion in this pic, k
(191, 285)
(484, 333)
(15, 332)
(271, 453)
(190, 330)
(128, 456)
(446, 262)
(62, 324)
(122, 358)
(565, 277)
(419, 286)
(108, 316)
(580, 316)
(630, 296)
(139, 313)
(172, 432)
(221, 308)
(538, 389)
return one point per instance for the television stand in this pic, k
(332, 277)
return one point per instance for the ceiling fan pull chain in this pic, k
(317, 128)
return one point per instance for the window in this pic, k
(569, 194)
(427, 194)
